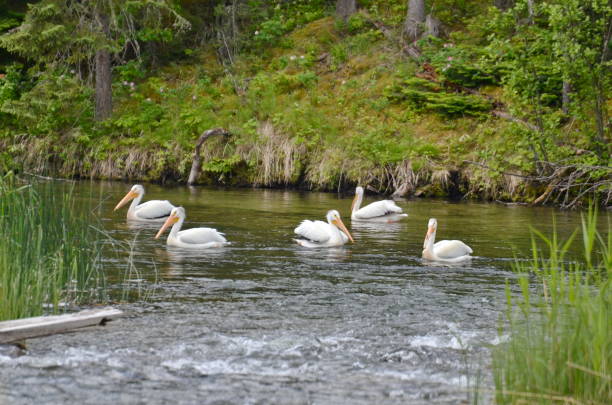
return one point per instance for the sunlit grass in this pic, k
(560, 341)
(50, 252)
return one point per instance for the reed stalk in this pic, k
(50, 253)
(560, 342)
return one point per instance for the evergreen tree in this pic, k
(88, 35)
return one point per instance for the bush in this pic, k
(424, 95)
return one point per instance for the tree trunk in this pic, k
(503, 5)
(415, 19)
(531, 11)
(565, 97)
(432, 26)
(103, 90)
(345, 9)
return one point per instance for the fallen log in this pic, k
(20, 329)
(197, 160)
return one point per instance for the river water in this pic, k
(265, 321)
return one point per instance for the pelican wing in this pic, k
(154, 209)
(448, 249)
(198, 236)
(316, 231)
(378, 209)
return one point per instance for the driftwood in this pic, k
(567, 184)
(197, 160)
(20, 329)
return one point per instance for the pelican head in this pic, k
(431, 230)
(135, 191)
(358, 197)
(333, 218)
(177, 214)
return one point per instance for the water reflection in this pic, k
(377, 227)
(332, 254)
(141, 226)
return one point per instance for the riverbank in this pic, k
(320, 106)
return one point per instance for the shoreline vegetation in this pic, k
(50, 255)
(494, 105)
(556, 345)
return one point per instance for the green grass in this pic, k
(560, 345)
(50, 254)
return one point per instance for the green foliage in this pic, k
(129, 72)
(460, 65)
(13, 83)
(559, 348)
(50, 254)
(56, 103)
(424, 95)
(293, 87)
(564, 41)
(222, 166)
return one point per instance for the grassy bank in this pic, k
(316, 103)
(50, 255)
(560, 347)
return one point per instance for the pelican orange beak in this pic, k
(128, 197)
(172, 219)
(338, 222)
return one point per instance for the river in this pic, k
(265, 321)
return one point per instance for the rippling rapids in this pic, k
(265, 321)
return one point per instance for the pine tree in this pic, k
(89, 35)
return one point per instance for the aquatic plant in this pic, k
(559, 348)
(50, 255)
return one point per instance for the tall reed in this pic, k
(560, 342)
(50, 254)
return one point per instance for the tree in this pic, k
(413, 27)
(88, 36)
(582, 31)
(345, 8)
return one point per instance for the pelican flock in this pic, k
(150, 211)
(451, 251)
(194, 238)
(382, 211)
(320, 234)
(312, 234)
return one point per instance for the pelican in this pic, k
(150, 211)
(381, 211)
(450, 251)
(320, 234)
(194, 238)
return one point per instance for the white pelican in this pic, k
(451, 251)
(320, 234)
(194, 238)
(150, 211)
(381, 211)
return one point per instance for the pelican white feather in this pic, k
(320, 234)
(385, 210)
(194, 238)
(150, 211)
(450, 251)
